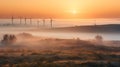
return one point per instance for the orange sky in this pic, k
(60, 8)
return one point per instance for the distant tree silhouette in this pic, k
(8, 39)
(99, 39)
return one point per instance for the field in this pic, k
(32, 51)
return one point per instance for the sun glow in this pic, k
(60, 8)
(74, 11)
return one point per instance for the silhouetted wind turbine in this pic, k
(51, 22)
(95, 23)
(30, 21)
(25, 21)
(20, 20)
(38, 22)
(96, 30)
(43, 22)
(12, 19)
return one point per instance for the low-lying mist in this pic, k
(28, 41)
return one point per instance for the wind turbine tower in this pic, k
(43, 22)
(30, 21)
(25, 21)
(20, 20)
(51, 22)
(12, 19)
(38, 23)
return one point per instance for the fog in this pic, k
(28, 48)
(61, 22)
(29, 41)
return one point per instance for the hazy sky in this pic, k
(60, 8)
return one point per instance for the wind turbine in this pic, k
(38, 22)
(12, 19)
(51, 22)
(30, 21)
(25, 21)
(43, 22)
(20, 20)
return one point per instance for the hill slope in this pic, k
(91, 28)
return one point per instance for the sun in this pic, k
(73, 12)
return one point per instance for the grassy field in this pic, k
(58, 53)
